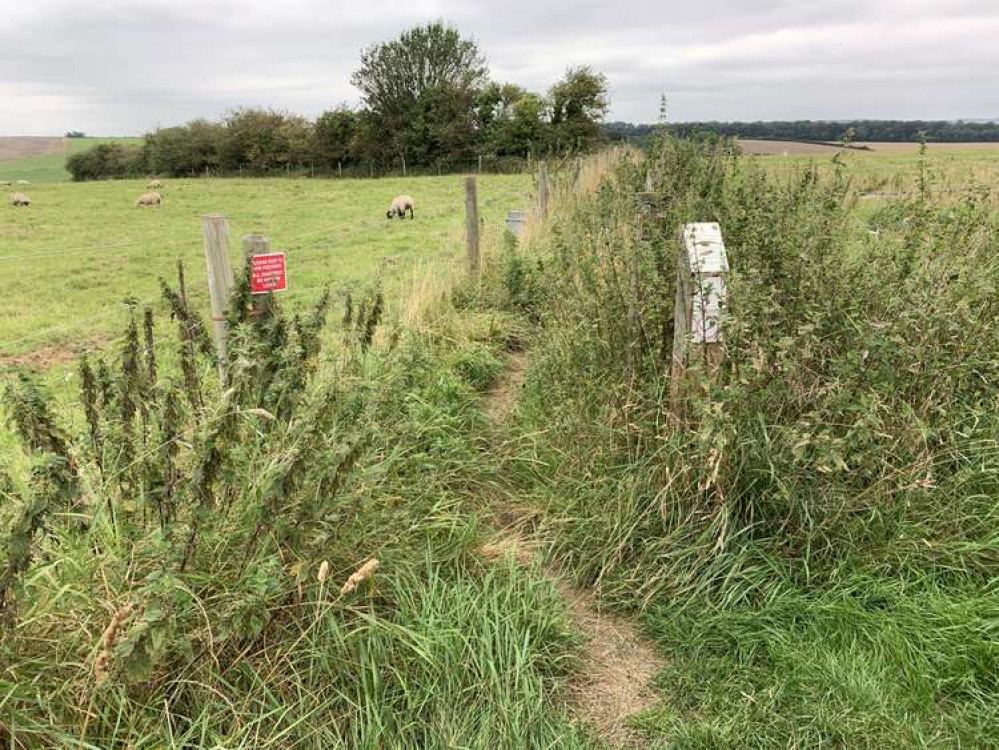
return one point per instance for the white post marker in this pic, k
(701, 297)
(516, 222)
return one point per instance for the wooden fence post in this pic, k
(472, 224)
(701, 297)
(255, 244)
(542, 190)
(215, 228)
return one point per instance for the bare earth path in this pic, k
(619, 664)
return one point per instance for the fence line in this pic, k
(96, 249)
(75, 324)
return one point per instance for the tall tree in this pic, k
(579, 104)
(420, 92)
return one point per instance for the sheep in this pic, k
(149, 199)
(19, 199)
(400, 204)
(154, 184)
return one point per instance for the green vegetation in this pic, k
(52, 167)
(811, 536)
(202, 540)
(427, 104)
(81, 249)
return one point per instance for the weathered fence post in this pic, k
(339, 169)
(472, 224)
(701, 297)
(480, 164)
(403, 165)
(542, 190)
(255, 244)
(215, 228)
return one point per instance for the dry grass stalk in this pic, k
(359, 576)
(108, 639)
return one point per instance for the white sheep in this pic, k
(19, 199)
(154, 185)
(149, 199)
(400, 204)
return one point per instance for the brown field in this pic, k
(796, 148)
(784, 148)
(18, 147)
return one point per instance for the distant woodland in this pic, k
(944, 131)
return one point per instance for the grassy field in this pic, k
(50, 166)
(809, 537)
(80, 249)
(893, 169)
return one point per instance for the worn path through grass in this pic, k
(615, 679)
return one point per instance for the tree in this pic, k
(579, 104)
(262, 140)
(419, 91)
(333, 135)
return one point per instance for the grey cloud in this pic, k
(117, 66)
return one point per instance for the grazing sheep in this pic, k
(149, 199)
(154, 185)
(23, 182)
(400, 204)
(19, 199)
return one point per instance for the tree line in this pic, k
(944, 131)
(427, 103)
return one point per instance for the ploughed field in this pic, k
(71, 259)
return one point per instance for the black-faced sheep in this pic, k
(149, 199)
(399, 206)
(19, 199)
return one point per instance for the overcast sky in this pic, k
(126, 66)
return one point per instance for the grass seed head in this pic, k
(359, 576)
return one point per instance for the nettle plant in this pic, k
(197, 493)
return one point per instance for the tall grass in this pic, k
(819, 526)
(174, 555)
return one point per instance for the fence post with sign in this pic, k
(268, 271)
(701, 297)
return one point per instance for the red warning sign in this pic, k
(268, 273)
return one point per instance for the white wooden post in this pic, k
(516, 222)
(701, 297)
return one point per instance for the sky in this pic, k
(124, 67)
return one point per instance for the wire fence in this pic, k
(13, 350)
